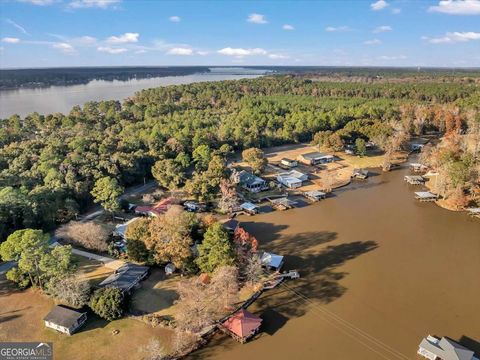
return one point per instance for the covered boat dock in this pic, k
(414, 179)
(426, 196)
(281, 203)
(315, 195)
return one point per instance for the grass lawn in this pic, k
(92, 270)
(21, 319)
(157, 294)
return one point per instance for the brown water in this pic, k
(379, 272)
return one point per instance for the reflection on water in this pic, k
(63, 98)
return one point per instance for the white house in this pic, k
(64, 319)
(292, 179)
(434, 348)
(288, 163)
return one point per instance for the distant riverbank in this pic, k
(63, 98)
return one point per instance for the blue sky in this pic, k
(47, 33)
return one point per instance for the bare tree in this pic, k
(253, 269)
(229, 198)
(183, 342)
(88, 235)
(224, 286)
(69, 290)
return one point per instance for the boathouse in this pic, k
(426, 196)
(251, 182)
(242, 325)
(360, 174)
(65, 319)
(292, 179)
(282, 203)
(315, 195)
(434, 348)
(271, 261)
(414, 179)
(314, 158)
(417, 167)
(249, 208)
(475, 212)
(286, 163)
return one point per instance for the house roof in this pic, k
(287, 160)
(63, 316)
(314, 155)
(249, 179)
(231, 224)
(446, 349)
(157, 209)
(125, 277)
(243, 323)
(270, 259)
(121, 229)
(295, 174)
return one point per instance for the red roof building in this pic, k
(157, 209)
(242, 325)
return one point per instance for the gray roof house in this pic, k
(64, 319)
(434, 348)
(126, 277)
(251, 182)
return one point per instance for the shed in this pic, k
(242, 325)
(434, 348)
(288, 163)
(314, 158)
(271, 260)
(65, 319)
(170, 269)
(126, 277)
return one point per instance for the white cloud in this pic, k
(180, 51)
(64, 47)
(337, 29)
(383, 28)
(102, 4)
(394, 57)
(454, 37)
(85, 40)
(277, 56)
(141, 51)
(10, 40)
(457, 7)
(202, 53)
(372, 42)
(240, 52)
(174, 18)
(124, 38)
(396, 11)
(38, 2)
(288, 27)
(257, 18)
(379, 5)
(111, 50)
(17, 26)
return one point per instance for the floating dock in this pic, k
(414, 179)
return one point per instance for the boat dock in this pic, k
(417, 167)
(281, 203)
(414, 179)
(315, 195)
(426, 196)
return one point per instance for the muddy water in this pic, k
(379, 272)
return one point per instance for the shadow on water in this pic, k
(319, 282)
(471, 344)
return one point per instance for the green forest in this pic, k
(49, 164)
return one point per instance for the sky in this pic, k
(51, 33)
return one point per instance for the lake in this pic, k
(379, 271)
(63, 98)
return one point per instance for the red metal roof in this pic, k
(243, 323)
(159, 208)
